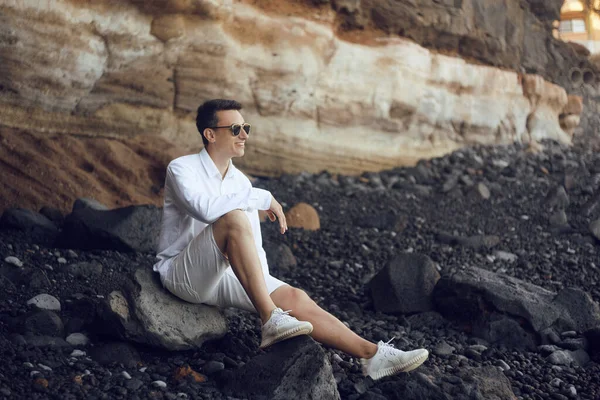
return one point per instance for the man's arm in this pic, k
(208, 208)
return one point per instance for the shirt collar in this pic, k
(210, 167)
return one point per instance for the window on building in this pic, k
(572, 26)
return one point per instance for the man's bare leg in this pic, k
(327, 329)
(233, 235)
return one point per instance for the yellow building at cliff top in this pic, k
(578, 23)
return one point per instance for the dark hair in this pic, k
(207, 114)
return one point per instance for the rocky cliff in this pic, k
(346, 86)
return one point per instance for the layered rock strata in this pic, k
(317, 102)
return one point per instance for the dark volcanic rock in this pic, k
(389, 221)
(475, 295)
(578, 311)
(37, 226)
(293, 369)
(40, 322)
(53, 214)
(279, 256)
(133, 228)
(85, 269)
(467, 383)
(593, 337)
(506, 331)
(46, 341)
(116, 352)
(405, 284)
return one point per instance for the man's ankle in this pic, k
(265, 316)
(369, 351)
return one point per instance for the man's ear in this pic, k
(209, 134)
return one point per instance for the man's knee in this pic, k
(230, 226)
(297, 297)
(233, 221)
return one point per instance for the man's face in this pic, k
(225, 143)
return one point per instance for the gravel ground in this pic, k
(334, 263)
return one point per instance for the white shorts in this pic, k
(202, 274)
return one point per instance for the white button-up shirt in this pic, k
(196, 195)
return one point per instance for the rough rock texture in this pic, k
(146, 313)
(133, 228)
(479, 383)
(35, 224)
(293, 369)
(405, 285)
(489, 301)
(119, 69)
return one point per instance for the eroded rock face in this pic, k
(318, 102)
(296, 368)
(508, 310)
(146, 313)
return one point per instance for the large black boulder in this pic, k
(405, 284)
(37, 226)
(296, 368)
(133, 228)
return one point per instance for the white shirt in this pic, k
(196, 195)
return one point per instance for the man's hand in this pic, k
(276, 212)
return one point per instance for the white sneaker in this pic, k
(282, 326)
(390, 361)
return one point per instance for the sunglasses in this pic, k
(235, 128)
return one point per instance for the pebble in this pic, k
(506, 256)
(134, 384)
(556, 382)
(483, 191)
(503, 365)
(126, 375)
(213, 366)
(160, 384)
(478, 348)
(443, 349)
(547, 348)
(28, 365)
(77, 339)
(14, 261)
(560, 357)
(62, 260)
(45, 301)
(77, 353)
(44, 367)
(6, 392)
(72, 254)
(569, 334)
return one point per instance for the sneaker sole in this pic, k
(297, 331)
(409, 366)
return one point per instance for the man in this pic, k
(210, 248)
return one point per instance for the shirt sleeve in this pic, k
(208, 208)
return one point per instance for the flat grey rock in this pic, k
(145, 312)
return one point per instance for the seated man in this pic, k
(210, 249)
